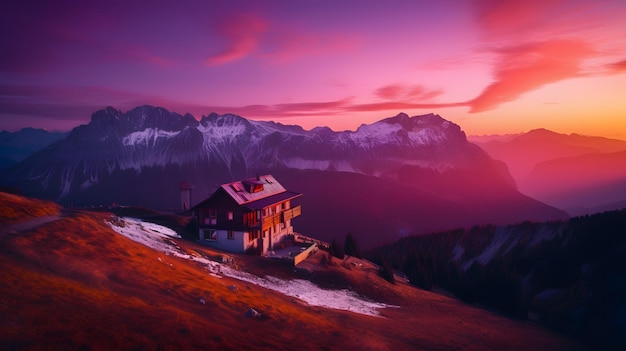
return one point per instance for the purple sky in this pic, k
(490, 66)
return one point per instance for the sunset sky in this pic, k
(490, 66)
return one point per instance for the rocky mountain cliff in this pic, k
(230, 146)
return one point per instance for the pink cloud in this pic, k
(617, 67)
(315, 108)
(500, 18)
(400, 105)
(145, 56)
(524, 68)
(325, 108)
(243, 33)
(290, 43)
(276, 42)
(406, 92)
(390, 92)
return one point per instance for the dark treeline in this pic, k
(568, 275)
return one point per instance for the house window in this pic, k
(210, 217)
(253, 187)
(210, 234)
(254, 235)
(231, 235)
(251, 219)
(230, 215)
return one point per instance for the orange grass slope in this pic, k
(75, 284)
(15, 208)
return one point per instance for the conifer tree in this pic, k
(350, 246)
(336, 249)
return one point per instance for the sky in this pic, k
(491, 66)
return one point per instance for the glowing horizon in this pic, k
(493, 67)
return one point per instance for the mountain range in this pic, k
(581, 174)
(399, 176)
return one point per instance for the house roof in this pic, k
(238, 189)
(267, 192)
(262, 203)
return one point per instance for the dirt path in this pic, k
(28, 224)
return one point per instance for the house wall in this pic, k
(238, 244)
(278, 235)
(222, 204)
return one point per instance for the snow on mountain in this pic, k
(116, 147)
(147, 137)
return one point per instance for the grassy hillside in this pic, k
(74, 283)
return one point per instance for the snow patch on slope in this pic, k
(427, 136)
(154, 236)
(222, 133)
(543, 234)
(375, 134)
(148, 136)
(301, 163)
(503, 241)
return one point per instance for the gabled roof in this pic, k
(268, 191)
(262, 203)
(238, 190)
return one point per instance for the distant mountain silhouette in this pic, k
(16, 146)
(591, 180)
(571, 172)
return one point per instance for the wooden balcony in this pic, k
(282, 216)
(291, 213)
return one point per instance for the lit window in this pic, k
(230, 215)
(210, 217)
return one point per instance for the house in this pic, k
(247, 215)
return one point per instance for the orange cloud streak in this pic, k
(527, 67)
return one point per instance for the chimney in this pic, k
(185, 195)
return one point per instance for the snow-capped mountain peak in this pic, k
(225, 146)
